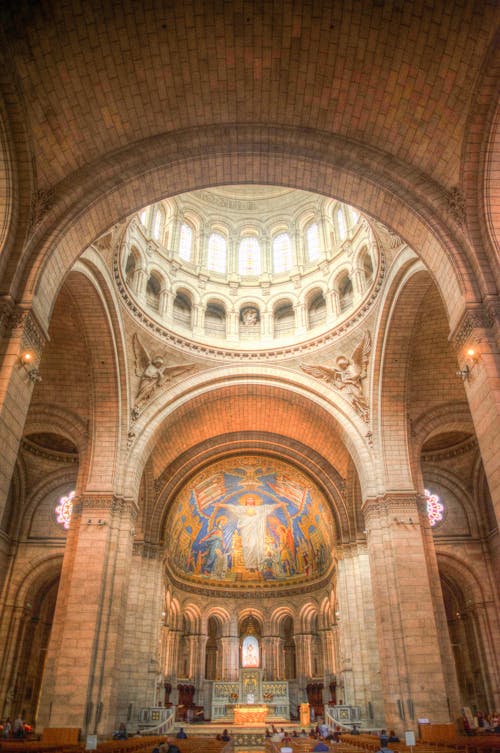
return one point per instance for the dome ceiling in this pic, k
(250, 522)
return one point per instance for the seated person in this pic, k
(225, 736)
(355, 730)
(384, 738)
(393, 738)
(169, 747)
(321, 746)
(181, 735)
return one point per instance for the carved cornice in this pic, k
(221, 353)
(146, 550)
(397, 504)
(43, 452)
(480, 317)
(18, 321)
(450, 452)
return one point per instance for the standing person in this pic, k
(7, 728)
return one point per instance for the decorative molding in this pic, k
(54, 455)
(456, 206)
(18, 321)
(403, 503)
(449, 452)
(109, 502)
(41, 204)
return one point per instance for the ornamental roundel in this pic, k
(250, 521)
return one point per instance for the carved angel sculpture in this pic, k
(152, 371)
(348, 375)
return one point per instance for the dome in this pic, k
(248, 267)
(247, 522)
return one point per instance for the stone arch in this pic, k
(424, 224)
(197, 388)
(308, 614)
(58, 482)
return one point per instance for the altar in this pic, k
(250, 713)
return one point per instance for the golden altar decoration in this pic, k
(250, 713)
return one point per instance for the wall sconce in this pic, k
(472, 359)
(26, 360)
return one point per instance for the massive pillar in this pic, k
(80, 687)
(359, 666)
(415, 679)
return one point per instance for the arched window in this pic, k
(284, 320)
(367, 267)
(312, 238)
(182, 310)
(130, 268)
(355, 215)
(217, 253)
(342, 227)
(144, 217)
(345, 292)
(249, 257)
(317, 310)
(186, 242)
(282, 253)
(215, 320)
(157, 223)
(153, 288)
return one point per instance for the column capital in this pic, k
(398, 504)
(20, 321)
(475, 317)
(104, 502)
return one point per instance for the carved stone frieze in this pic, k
(53, 455)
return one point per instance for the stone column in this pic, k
(413, 678)
(303, 644)
(140, 282)
(80, 686)
(20, 332)
(230, 657)
(333, 303)
(270, 659)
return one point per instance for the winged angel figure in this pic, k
(348, 375)
(153, 373)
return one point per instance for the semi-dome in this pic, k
(247, 522)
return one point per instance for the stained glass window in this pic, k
(282, 253)
(434, 507)
(64, 510)
(217, 253)
(249, 257)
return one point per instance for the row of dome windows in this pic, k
(250, 260)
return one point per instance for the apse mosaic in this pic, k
(250, 520)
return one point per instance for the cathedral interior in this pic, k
(249, 359)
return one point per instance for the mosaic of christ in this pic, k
(251, 519)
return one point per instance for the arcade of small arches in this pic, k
(284, 265)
